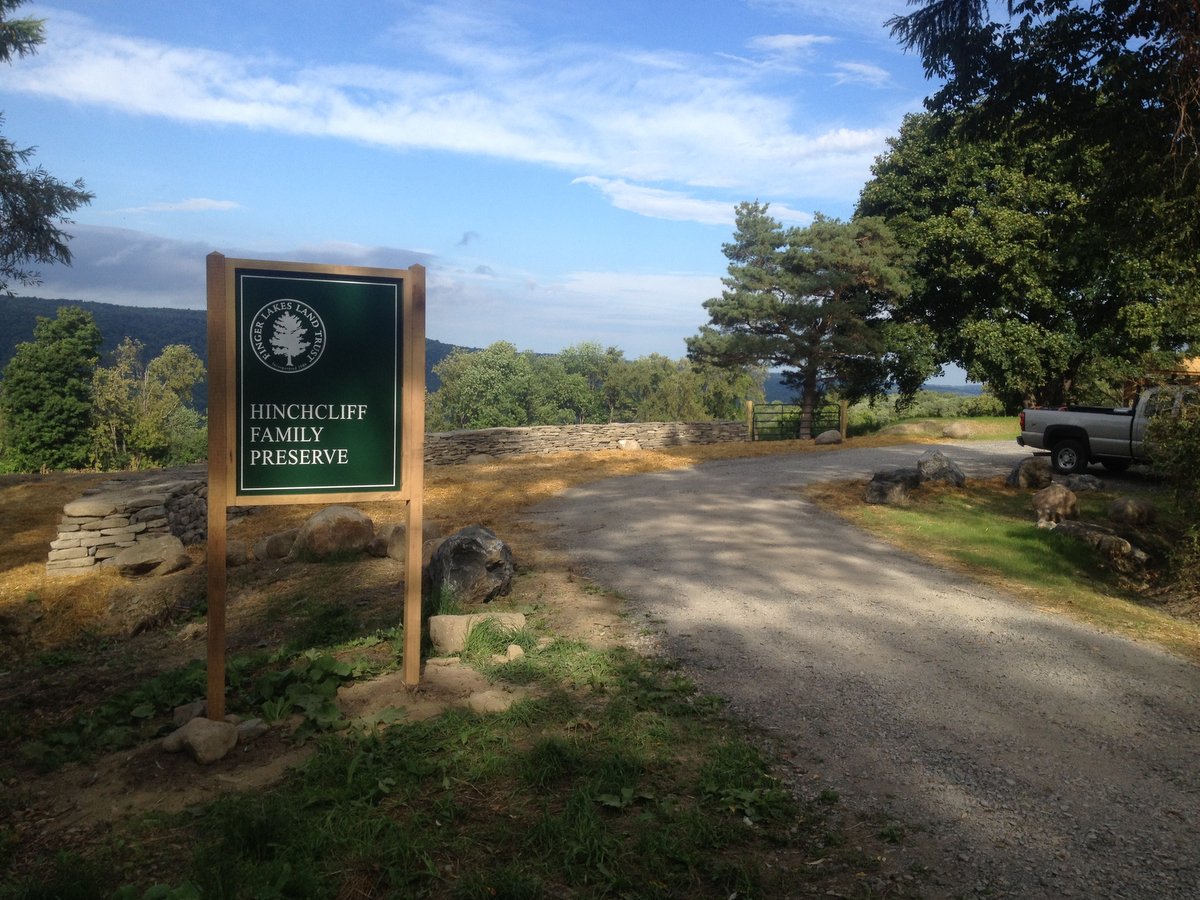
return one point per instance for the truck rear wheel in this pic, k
(1068, 457)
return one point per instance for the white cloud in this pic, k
(866, 16)
(641, 313)
(663, 204)
(195, 204)
(788, 43)
(633, 115)
(862, 73)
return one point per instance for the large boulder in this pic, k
(1082, 483)
(833, 436)
(1054, 504)
(892, 486)
(333, 530)
(471, 566)
(1132, 512)
(276, 546)
(1032, 472)
(934, 465)
(159, 555)
(391, 540)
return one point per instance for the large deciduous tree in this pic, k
(33, 204)
(143, 414)
(1049, 198)
(816, 302)
(46, 397)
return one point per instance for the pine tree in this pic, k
(46, 393)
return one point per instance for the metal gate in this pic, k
(781, 421)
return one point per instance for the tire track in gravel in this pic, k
(1041, 757)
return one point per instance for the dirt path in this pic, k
(1037, 757)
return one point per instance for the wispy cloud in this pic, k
(788, 43)
(663, 204)
(632, 116)
(861, 73)
(864, 16)
(194, 204)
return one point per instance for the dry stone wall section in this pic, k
(125, 511)
(451, 447)
(135, 507)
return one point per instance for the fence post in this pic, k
(843, 418)
(750, 420)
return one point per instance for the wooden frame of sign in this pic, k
(316, 387)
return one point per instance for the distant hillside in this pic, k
(777, 391)
(154, 326)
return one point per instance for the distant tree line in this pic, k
(61, 409)
(501, 386)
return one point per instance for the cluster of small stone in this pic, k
(122, 513)
(453, 447)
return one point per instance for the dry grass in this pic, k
(493, 494)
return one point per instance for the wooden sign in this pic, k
(316, 395)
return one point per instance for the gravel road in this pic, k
(1036, 757)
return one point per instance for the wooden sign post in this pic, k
(316, 395)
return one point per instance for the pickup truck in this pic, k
(1077, 436)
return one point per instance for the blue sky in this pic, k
(566, 171)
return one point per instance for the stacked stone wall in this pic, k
(451, 447)
(122, 512)
(138, 506)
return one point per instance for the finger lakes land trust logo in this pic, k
(287, 336)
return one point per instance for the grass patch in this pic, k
(630, 788)
(988, 530)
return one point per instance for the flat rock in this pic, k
(449, 633)
(204, 740)
(159, 555)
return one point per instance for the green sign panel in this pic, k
(319, 362)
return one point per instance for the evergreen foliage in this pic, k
(817, 301)
(33, 204)
(46, 394)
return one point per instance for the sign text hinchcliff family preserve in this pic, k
(317, 395)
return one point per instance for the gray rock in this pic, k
(1032, 472)
(392, 539)
(157, 555)
(1083, 483)
(628, 444)
(276, 546)
(892, 486)
(833, 436)
(187, 712)
(335, 529)
(91, 507)
(934, 465)
(472, 566)
(1132, 512)
(448, 634)
(251, 730)
(205, 741)
(1112, 546)
(958, 430)
(236, 553)
(1054, 504)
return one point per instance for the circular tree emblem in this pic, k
(287, 336)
